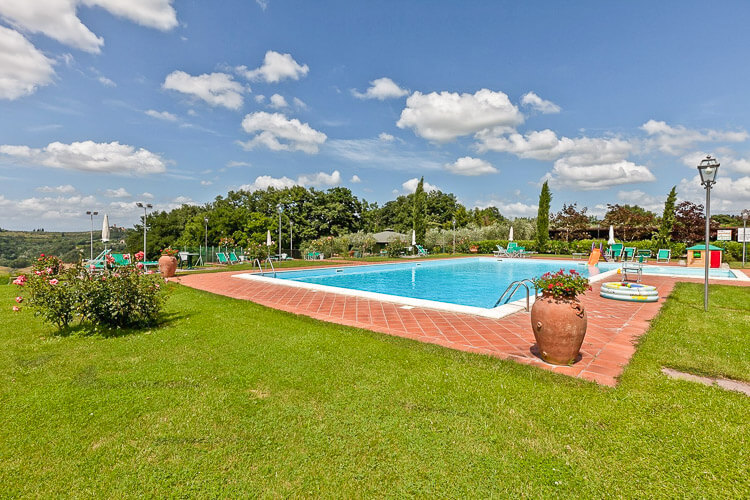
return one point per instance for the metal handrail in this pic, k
(262, 269)
(270, 262)
(515, 286)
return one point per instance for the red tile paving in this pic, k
(614, 327)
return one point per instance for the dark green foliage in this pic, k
(630, 221)
(572, 221)
(419, 212)
(542, 218)
(664, 235)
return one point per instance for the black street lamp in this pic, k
(708, 169)
(91, 215)
(144, 206)
(745, 215)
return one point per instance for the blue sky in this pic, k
(104, 103)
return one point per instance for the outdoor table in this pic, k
(632, 267)
(190, 258)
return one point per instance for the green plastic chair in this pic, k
(628, 253)
(663, 255)
(233, 258)
(222, 257)
(421, 251)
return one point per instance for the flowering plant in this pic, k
(561, 284)
(169, 251)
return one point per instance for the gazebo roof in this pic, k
(387, 236)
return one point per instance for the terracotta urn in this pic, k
(167, 265)
(559, 326)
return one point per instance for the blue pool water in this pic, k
(474, 281)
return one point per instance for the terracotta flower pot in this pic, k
(559, 327)
(167, 265)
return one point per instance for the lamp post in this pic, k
(745, 215)
(91, 215)
(281, 209)
(707, 168)
(454, 235)
(291, 239)
(145, 207)
(205, 223)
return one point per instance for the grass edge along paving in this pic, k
(230, 398)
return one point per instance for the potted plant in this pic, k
(558, 318)
(168, 262)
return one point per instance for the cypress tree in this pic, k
(664, 236)
(542, 219)
(419, 209)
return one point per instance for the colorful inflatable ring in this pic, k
(630, 298)
(629, 289)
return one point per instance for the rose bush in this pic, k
(561, 284)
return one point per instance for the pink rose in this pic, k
(19, 299)
(16, 308)
(53, 282)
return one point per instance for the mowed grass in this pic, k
(229, 398)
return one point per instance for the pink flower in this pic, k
(53, 282)
(19, 299)
(38, 273)
(16, 308)
(139, 265)
(41, 255)
(18, 281)
(48, 270)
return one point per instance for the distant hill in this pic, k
(18, 249)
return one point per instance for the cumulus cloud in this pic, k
(299, 103)
(206, 183)
(23, 68)
(264, 182)
(385, 137)
(597, 176)
(637, 197)
(513, 209)
(63, 189)
(355, 179)
(117, 193)
(278, 102)
(58, 19)
(536, 103)
(217, 89)
(106, 81)
(727, 159)
(444, 116)
(381, 89)
(410, 186)
(319, 180)
(675, 140)
(276, 67)
(273, 128)
(161, 115)
(263, 4)
(51, 208)
(471, 167)
(89, 156)
(727, 195)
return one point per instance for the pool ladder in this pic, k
(260, 266)
(513, 287)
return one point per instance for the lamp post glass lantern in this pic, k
(145, 207)
(707, 168)
(91, 234)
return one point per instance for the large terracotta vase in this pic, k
(559, 327)
(167, 265)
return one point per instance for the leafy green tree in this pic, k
(633, 221)
(573, 222)
(542, 218)
(664, 236)
(419, 212)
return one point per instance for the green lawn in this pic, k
(229, 399)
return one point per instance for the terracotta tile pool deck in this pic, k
(614, 327)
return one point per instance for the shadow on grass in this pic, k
(88, 329)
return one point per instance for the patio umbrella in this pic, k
(105, 230)
(268, 238)
(413, 237)
(611, 240)
(510, 234)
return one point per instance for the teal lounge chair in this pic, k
(99, 263)
(628, 253)
(233, 258)
(644, 255)
(222, 257)
(663, 255)
(614, 252)
(500, 252)
(120, 260)
(421, 252)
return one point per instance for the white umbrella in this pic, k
(105, 230)
(413, 237)
(611, 235)
(510, 234)
(268, 238)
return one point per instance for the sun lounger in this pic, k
(233, 258)
(421, 252)
(222, 258)
(614, 252)
(663, 255)
(628, 253)
(644, 255)
(500, 252)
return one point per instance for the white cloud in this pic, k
(232, 164)
(601, 176)
(355, 179)
(537, 103)
(382, 155)
(513, 209)
(57, 19)
(260, 98)
(410, 186)
(727, 195)
(385, 137)
(272, 128)
(727, 159)
(321, 179)
(89, 156)
(117, 193)
(381, 89)
(263, 4)
(45, 208)
(445, 116)
(161, 115)
(23, 68)
(471, 166)
(278, 102)
(206, 183)
(299, 103)
(642, 199)
(276, 67)
(106, 81)
(146, 195)
(63, 189)
(677, 140)
(217, 89)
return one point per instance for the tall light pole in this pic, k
(745, 215)
(205, 222)
(454, 235)
(707, 168)
(91, 235)
(291, 239)
(144, 206)
(281, 209)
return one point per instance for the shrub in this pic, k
(562, 284)
(396, 247)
